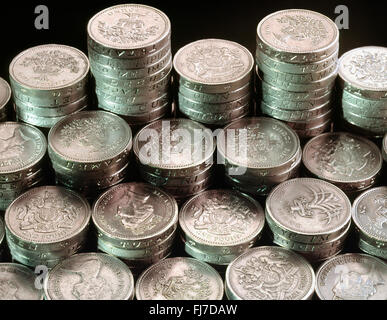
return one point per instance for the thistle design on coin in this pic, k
(11, 146)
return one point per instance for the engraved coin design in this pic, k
(5, 93)
(90, 276)
(352, 277)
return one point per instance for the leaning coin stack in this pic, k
(369, 213)
(363, 80)
(214, 80)
(136, 222)
(258, 153)
(46, 225)
(48, 83)
(296, 58)
(5, 96)
(22, 159)
(349, 161)
(269, 273)
(129, 48)
(90, 151)
(219, 225)
(176, 155)
(309, 216)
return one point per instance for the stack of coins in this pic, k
(219, 225)
(129, 48)
(46, 225)
(22, 158)
(90, 151)
(180, 279)
(5, 96)
(352, 276)
(214, 80)
(17, 282)
(348, 161)
(136, 222)
(89, 276)
(363, 80)
(49, 82)
(176, 155)
(2, 234)
(309, 216)
(296, 56)
(258, 153)
(369, 213)
(269, 273)
(384, 148)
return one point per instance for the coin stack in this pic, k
(176, 155)
(309, 216)
(258, 153)
(90, 151)
(363, 80)
(2, 234)
(48, 83)
(136, 222)
(296, 58)
(89, 276)
(219, 225)
(349, 161)
(384, 155)
(369, 215)
(46, 225)
(5, 96)
(129, 48)
(22, 159)
(261, 273)
(214, 80)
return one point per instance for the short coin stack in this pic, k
(349, 161)
(46, 225)
(176, 155)
(309, 216)
(369, 215)
(90, 151)
(296, 56)
(49, 82)
(129, 48)
(136, 222)
(214, 80)
(22, 158)
(363, 80)
(5, 96)
(219, 225)
(258, 154)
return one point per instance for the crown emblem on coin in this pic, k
(12, 145)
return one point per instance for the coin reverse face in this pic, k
(5, 93)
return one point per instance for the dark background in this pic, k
(235, 20)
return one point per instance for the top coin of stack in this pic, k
(49, 82)
(296, 55)
(215, 81)
(363, 80)
(5, 96)
(129, 48)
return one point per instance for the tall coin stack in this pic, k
(90, 150)
(363, 80)
(296, 56)
(214, 80)
(258, 153)
(48, 83)
(129, 48)
(136, 222)
(176, 155)
(309, 216)
(349, 161)
(369, 215)
(22, 158)
(46, 225)
(5, 96)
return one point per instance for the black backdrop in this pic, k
(191, 20)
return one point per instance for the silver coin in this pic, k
(371, 249)
(384, 148)
(294, 105)
(179, 279)
(377, 126)
(270, 273)
(312, 122)
(368, 112)
(314, 131)
(2, 231)
(190, 190)
(365, 103)
(352, 277)
(5, 94)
